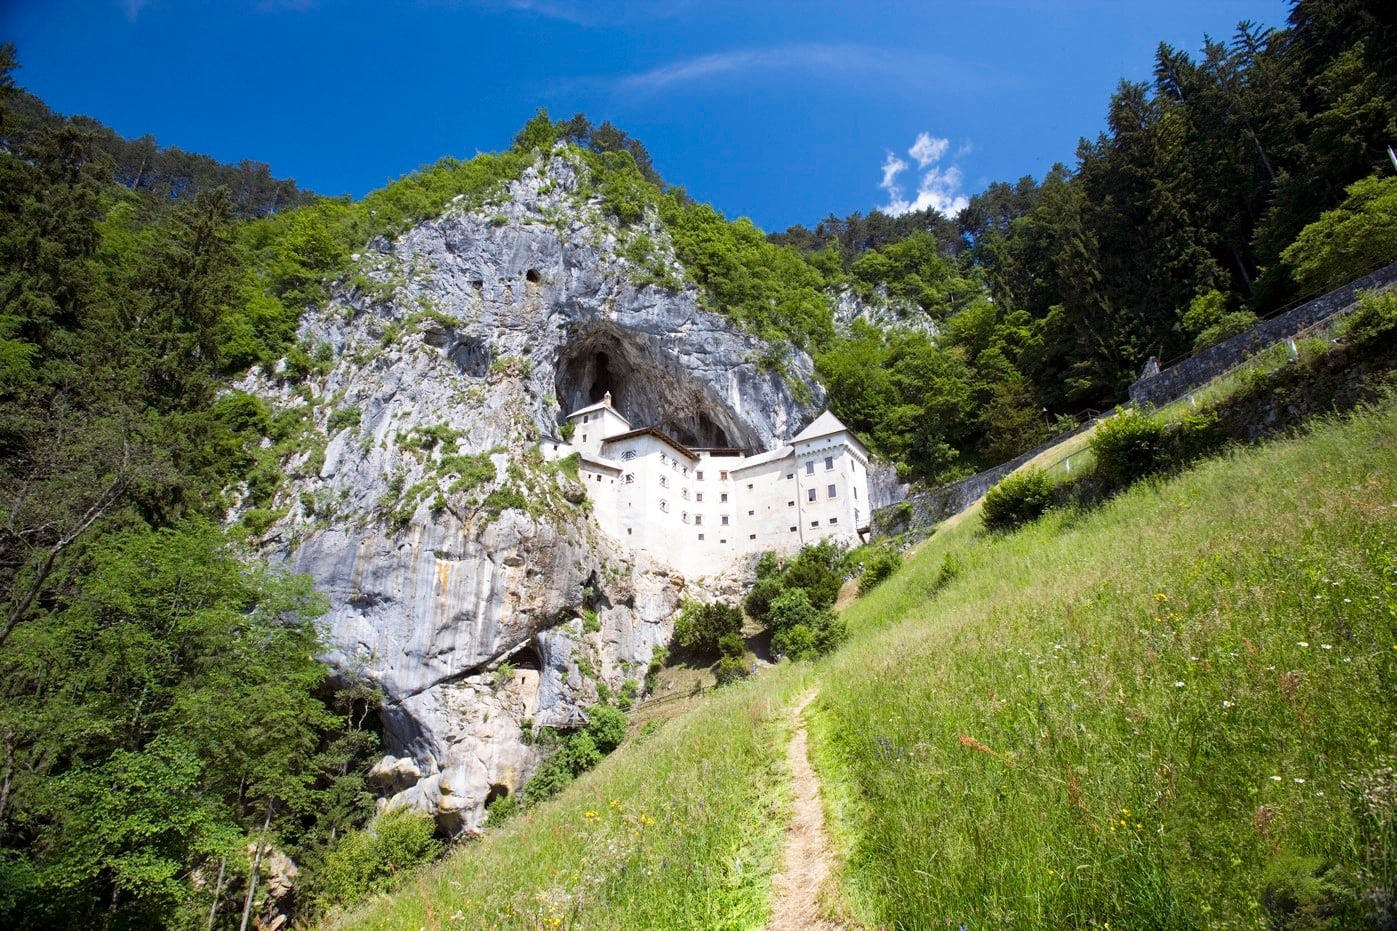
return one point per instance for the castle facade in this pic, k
(704, 511)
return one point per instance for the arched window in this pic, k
(629, 478)
(628, 455)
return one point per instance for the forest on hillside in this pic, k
(162, 714)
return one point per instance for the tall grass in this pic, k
(1148, 715)
(677, 829)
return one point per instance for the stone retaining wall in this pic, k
(1199, 369)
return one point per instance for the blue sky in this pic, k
(781, 111)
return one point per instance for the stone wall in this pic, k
(1162, 387)
(920, 511)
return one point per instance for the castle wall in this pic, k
(704, 516)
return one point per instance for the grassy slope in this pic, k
(1213, 655)
(1092, 785)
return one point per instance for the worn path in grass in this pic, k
(805, 870)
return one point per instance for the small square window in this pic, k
(834, 520)
(698, 519)
(723, 476)
(810, 494)
(790, 475)
(723, 498)
(751, 513)
(790, 504)
(793, 529)
(749, 486)
(698, 496)
(700, 536)
(700, 475)
(725, 520)
(814, 523)
(751, 536)
(829, 463)
(722, 541)
(831, 491)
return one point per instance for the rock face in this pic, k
(465, 576)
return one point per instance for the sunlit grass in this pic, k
(1128, 715)
(677, 829)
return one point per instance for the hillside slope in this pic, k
(1153, 714)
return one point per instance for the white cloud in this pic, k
(927, 150)
(938, 188)
(879, 69)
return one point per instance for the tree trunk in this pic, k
(256, 865)
(217, 890)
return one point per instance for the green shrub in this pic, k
(1016, 500)
(700, 626)
(500, 810)
(365, 862)
(797, 642)
(607, 727)
(731, 669)
(759, 598)
(1208, 317)
(819, 569)
(1128, 447)
(1376, 315)
(258, 520)
(877, 566)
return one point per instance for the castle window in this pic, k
(814, 523)
(790, 475)
(829, 463)
(629, 531)
(722, 541)
(723, 497)
(664, 505)
(700, 475)
(810, 494)
(856, 492)
(831, 491)
(684, 517)
(790, 504)
(810, 468)
(698, 496)
(664, 481)
(586, 418)
(684, 494)
(629, 479)
(793, 530)
(628, 455)
(584, 437)
(700, 536)
(834, 520)
(698, 520)
(749, 486)
(751, 536)
(750, 513)
(723, 476)
(725, 520)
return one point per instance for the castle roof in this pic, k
(603, 404)
(780, 452)
(658, 434)
(824, 425)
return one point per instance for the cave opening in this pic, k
(648, 387)
(532, 276)
(526, 657)
(497, 792)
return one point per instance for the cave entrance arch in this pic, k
(647, 386)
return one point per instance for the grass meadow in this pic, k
(1175, 710)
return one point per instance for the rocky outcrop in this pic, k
(465, 576)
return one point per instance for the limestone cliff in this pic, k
(465, 576)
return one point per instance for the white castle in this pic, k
(703, 510)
